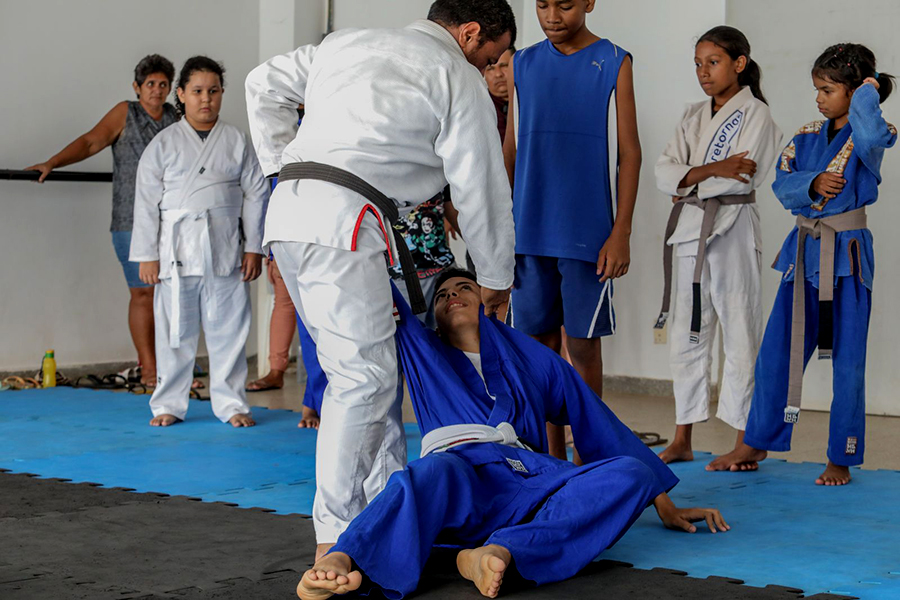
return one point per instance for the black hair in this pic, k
(735, 43)
(191, 66)
(850, 65)
(495, 16)
(450, 274)
(153, 63)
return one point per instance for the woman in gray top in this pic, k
(128, 128)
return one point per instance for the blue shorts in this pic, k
(122, 243)
(551, 292)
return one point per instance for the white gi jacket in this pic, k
(193, 201)
(743, 124)
(187, 187)
(400, 108)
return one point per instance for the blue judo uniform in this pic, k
(553, 517)
(856, 153)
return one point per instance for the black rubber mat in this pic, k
(78, 541)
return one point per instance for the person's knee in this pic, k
(142, 295)
(584, 351)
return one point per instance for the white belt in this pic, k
(176, 216)
(445, 438)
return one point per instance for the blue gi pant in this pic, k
(852, 307)
(553, 517)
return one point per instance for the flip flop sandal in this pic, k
(131, 374)
(140, 388)
(20, 383)
(265, 388)
(196, 396)
(650, 438)
(107, 382)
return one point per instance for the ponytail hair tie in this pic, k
(877, 74)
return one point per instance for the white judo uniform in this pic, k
(198, 207)
(730, 282)
(405, 111)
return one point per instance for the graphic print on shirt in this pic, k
(423, 230)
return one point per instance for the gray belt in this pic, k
(710, 208)
(387, 207)
(824, 229)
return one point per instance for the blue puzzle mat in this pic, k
(785, 530)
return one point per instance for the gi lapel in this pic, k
(719, 132)
(204, 150)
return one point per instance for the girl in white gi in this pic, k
(198, 236)
(722, 150)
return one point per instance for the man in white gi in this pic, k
(407, 111)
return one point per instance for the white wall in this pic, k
(64, 65)
(786, 53)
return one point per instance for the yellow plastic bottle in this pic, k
(48, 376)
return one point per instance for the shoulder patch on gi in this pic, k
(814, 127)
(787, 156)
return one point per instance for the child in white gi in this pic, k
(198, 235)
(722, 150)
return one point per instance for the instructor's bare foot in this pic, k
(309, 420)
(329, 576)
(242, 421)
(322, 550)
(484, 567)
(274, 380)
(164, 420)
(677, 452)
(834, 475)
(742, 458)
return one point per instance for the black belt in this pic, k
(387, 207)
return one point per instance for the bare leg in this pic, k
(330, 575)
(309, 420)
(586, 357)
(140, 323)
(556, 435)
(680, 450)
(742, 458)
(164, 421)
(322, 550)
(834, 475)
(484, 567)
(240, 420)
(274, 380)
(722, 463)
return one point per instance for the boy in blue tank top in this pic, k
(571, 148)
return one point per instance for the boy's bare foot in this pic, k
(484, 567)
(834, 475)
(310, 419)
(329, 576)
(742, 458)
(274, 380)
(677, 452)
(148, 378)
(242, 421)
(164, 420)
(322, 550)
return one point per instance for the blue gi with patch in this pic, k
(855, 153)
(553, 517)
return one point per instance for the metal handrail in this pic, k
(18, 175)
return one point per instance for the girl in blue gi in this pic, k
(506, 499)
(827, 176)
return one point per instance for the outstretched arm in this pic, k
(102, 135)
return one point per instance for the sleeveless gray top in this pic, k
(140, 128)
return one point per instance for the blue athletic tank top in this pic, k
(564, 187)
